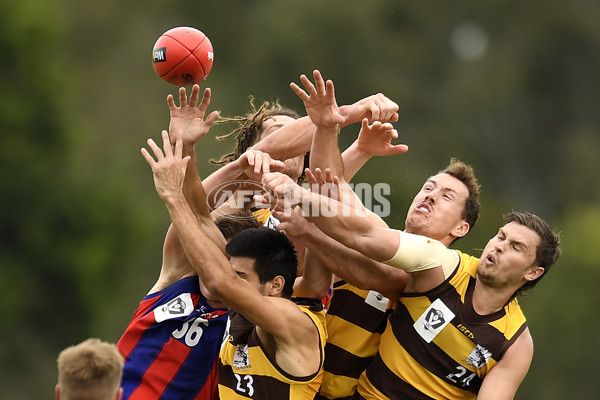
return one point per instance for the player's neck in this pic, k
(488, 300)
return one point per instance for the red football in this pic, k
(183, 56)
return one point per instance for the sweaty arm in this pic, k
(346, 263)
(289, 326)
(502, 382)
(295, 335)
(296, 138)
(411, 253)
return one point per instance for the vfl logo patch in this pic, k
(433, 320)
(241, 359)
(178, 307)
(159, 55)
(479, 357)
(377, 300)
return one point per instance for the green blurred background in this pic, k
(507, 86)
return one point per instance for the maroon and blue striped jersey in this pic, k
(172, 344)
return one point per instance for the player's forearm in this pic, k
(348, 225)
(296, 138)
(325, 151)
(195, 196)
(351, 113)
(206, 258)
(289, 141)
(228, 173)
(352, 266)
(315, 280)
(354, 159)
(192, 185)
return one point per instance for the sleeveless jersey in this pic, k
(246, 371)
(436, 346)
(171, 346)
(356, 318)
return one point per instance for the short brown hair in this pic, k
(232, 224)
(92, 370)
(466, 175)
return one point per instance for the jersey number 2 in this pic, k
(244, 384)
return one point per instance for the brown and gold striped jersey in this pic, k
(356, 318)
(436, 346)
(246, 371)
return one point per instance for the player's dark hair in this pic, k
(232, 224)
(273, 255)
(547, 252)
(466, 175)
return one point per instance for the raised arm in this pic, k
(315, 280)
(328, 256)
(188, 121)
(279, 317)
(349, 225)
(321, 108)
(425, 259)
(295, 139)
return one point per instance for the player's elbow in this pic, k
(219, 281)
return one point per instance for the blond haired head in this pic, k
(90, 370)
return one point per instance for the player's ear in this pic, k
(57, 391)
(534, 273)
(276, 286)
(461, 229)
(119, 394)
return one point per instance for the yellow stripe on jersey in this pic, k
(337, 385)
(355, 320)
(455, 343)
(367, 347)
(368, 391)
(436, 345)
(246, 371)
(413, 372)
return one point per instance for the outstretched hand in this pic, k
(319, 100)
(189, 116)
(255, 163)
(376, 139)
(169, 167)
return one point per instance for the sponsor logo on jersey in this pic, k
(479, 357)
(241, 358)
